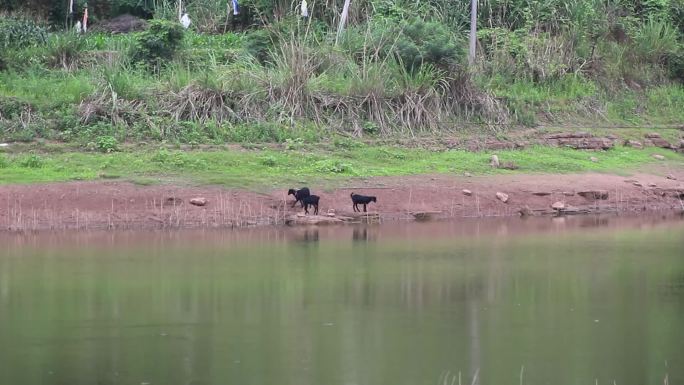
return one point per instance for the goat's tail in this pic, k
(352, 195)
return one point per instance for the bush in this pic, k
(656, 40)
(259, 44)
(31, 161)
(20, 33)
(427, 43)
(107, 144)
(159, 43)
(65, 51)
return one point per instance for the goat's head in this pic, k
(291, 191)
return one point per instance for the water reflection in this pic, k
(316, 306)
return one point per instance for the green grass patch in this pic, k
(275, 167)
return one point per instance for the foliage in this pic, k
(20, 33)
(396, 71)
(159, 43)
(420, 43)
(107, 144)
(65, 51)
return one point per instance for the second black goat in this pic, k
(361, 200)
(311, 200)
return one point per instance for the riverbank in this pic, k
(124, 205)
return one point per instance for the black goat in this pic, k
(361, 200)
(299, 195)
(311, 200)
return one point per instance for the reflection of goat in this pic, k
(361, 200)
(299, 195)
(311, 200)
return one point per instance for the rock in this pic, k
(558, 206)
(502, 197)
(467, 174)
(671, 177)
(662, 143)
(526, 212)
(652, 135)
(425, 215)
(638, 184)
(467, 192)
(300, 215)
(569, 135)
(495, 145)
(316, 220)
(634, 144)
(594, 194)
(658, 156)
(568, 193)
(494, 161)
(593, 159)
(652, 185)
(541, 193)
(579, 142)
(331, 212)
(199, 201)
(510, 166)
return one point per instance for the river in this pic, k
(583, 300)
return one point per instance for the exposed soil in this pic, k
(121, 205)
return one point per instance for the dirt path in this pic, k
(120, 205)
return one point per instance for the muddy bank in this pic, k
(119, 205)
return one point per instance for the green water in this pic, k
(560, 301)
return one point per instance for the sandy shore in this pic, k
(122, 205)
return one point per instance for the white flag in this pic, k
(185, 21)
(305, 9)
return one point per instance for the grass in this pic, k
(271, 167)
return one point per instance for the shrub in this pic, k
(259, 44)
(65, 51)
(159, 43)
(268, 161)
(107, 144)
(31, 161)
(20, 33)
(656, 40)
(334, 167)
(416, 43)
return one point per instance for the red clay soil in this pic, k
(120, 205)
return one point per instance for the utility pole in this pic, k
(473, 32)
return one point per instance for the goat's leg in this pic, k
(364, 207)
(306, 208)
(294, 203)
(316, 209)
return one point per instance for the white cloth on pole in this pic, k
(185, 21)
(305, 9)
